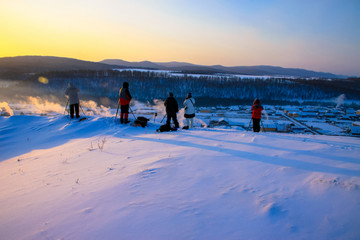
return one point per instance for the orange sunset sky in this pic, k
(321, 35)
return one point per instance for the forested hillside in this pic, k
(19, 68)
(207, 89)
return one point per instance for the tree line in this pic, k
(207, 89)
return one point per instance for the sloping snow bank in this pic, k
(99, 180)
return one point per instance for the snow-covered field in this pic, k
(99, 180)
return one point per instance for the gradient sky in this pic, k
(321, 35)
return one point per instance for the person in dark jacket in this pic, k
(72, 93)
(256, 115)
(171, 110)
(124, 101)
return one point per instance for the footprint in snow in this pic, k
(149, 172)
(273, 210)
(87, 210)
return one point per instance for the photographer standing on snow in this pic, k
(72, 93)
(256, 115)
(124, 100)
(189, 104)
(171, 110)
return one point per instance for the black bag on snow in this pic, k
(166, 128)
(141, 121)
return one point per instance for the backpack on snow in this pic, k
(141, 121)
(166, 128)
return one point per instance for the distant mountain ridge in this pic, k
(22, 65)
(37, 64)
(244, 70)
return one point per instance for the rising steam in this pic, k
(91, 108)
(41, 106)
(5, 110)
(340, 100)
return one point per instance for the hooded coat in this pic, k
(72, 92)
(256, 109)
(124, 94)
(171, 105)
(189, 106)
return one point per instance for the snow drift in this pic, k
(100, 180)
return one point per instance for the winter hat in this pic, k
(125, 85)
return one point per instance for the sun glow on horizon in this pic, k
(229, 33)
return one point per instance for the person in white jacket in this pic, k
(72, 93)
(189, 104)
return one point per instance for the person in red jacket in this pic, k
(256, 115)
(124, 101)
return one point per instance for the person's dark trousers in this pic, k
(124, 113)
(74, 108)
(256, 124)
(173, 117)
